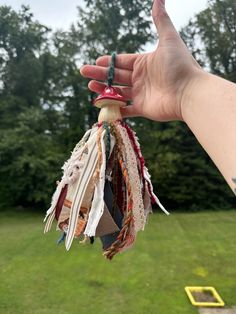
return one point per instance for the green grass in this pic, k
(37, 276)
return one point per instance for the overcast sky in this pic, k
(61, 13)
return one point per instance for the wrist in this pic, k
(190, 91)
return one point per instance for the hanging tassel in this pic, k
(105, 190)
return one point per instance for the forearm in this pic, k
(209, 109)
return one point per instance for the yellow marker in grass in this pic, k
(204, 296)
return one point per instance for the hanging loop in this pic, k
(111, 70)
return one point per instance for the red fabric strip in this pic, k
(61, 201)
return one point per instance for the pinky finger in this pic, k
(98, 87)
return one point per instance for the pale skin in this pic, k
(168, 84)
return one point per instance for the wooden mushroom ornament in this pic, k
(105, 190)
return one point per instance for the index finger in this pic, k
(123, 61)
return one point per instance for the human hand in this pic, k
(155, 82)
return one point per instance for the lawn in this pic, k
(37, 276)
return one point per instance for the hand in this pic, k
(156, 81)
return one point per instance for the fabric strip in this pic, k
(97, 206)
(132, 167)
(48, 224)
(147, 178)
(62, 183)
(84, 179)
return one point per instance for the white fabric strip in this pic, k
(84, 179)
(66, 167)
(97, 206)
(72, 165)
(49, 222)
(147, 178)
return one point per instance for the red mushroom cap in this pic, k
(109, 93)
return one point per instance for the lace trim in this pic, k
(145, 171)
(135, 180)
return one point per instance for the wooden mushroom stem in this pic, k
(110, 110)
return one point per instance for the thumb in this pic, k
(162, 20)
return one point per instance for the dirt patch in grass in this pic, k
(204, 296)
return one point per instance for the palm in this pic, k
(154, 81)
(159, 78)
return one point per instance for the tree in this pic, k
(45, 106)
(27, 121)
(21, 40)
(211, 37)
(105, 26)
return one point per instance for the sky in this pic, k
(61, 13)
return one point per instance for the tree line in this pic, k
(45, 105)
